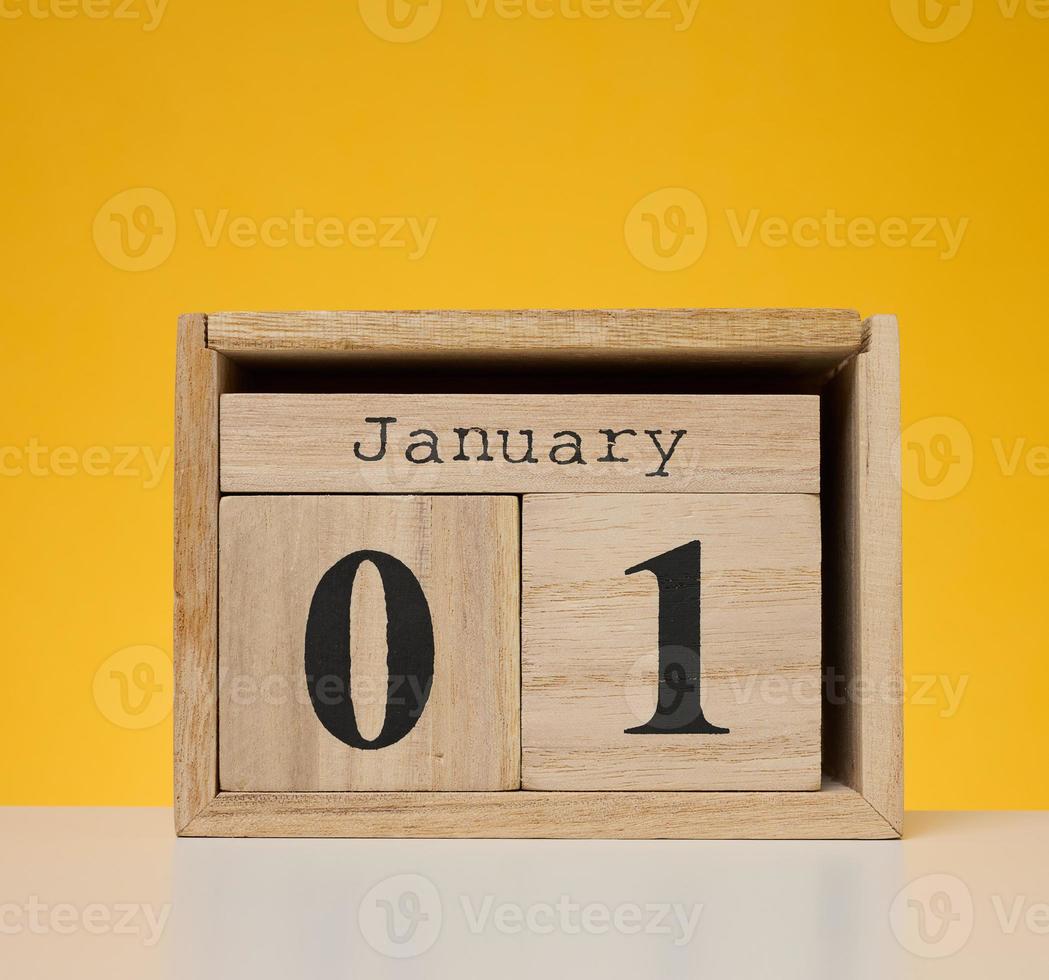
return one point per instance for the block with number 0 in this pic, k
(368, 643)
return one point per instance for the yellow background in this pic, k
(530, 140)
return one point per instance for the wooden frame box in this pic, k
(851, 365)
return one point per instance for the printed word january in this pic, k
(471, 443)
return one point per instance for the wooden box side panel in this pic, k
(201, 376)
(863, 711)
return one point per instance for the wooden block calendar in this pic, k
(622, 573)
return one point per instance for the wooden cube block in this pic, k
(671, 642)
(485, 443)
(368, 643)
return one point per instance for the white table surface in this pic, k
(111, 893)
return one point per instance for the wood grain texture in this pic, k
(835, 812)
(863, 744)
(819, 337)
(464, 551)
(201, 375)
(590, 662)
(728, 443)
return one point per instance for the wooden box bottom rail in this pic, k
(835, 812)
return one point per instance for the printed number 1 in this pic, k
(678, 709)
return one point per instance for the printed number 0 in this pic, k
(678, 708)
(409, 642)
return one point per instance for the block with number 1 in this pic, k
(671, 642)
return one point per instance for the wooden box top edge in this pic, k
(810, 338)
